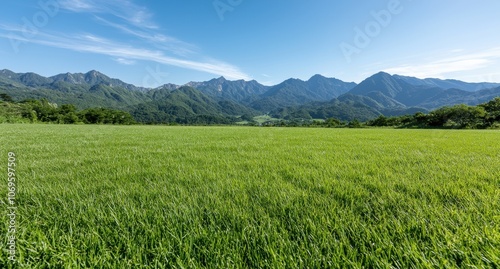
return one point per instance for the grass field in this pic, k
(241, 197)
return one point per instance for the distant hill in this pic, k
(221, 100)
(223, 89)
(293, 92)
(90, 78)
(455, 96)
(427, 93)
(343, 110)
(187, 105)
(84, 90)
(448, 83)
(346, 107)
(383, 94)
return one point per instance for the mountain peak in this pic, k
(8, 73)
(316, 77)
(292, 80)
(92, 72)
(382, 74)
(380, 81)
(3, 71)
(95, 74)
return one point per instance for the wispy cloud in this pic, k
(145, 40)
(124, 61)
(99, 45)
(123, 9)
(440, 68)
(77, 5)
(154, 38)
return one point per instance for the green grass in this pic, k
(239, 197)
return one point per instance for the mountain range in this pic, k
(317, 98)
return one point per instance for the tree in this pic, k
(354, 124)
(105, 116)
(45, 111)
(419, 119)
(492, 109)
(92, 116)
(463, 116)
(380, 121)
(332, 122)
(6, 97)
(67, 108)
(71, 118)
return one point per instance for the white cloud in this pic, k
(123, 9)
(98, 45)
(442, 68)
(125, 61)
(156, 39)
(135, 22)
(77, 5)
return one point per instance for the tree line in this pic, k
(43, 111)
(483, 116)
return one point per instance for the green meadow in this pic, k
(94, 196)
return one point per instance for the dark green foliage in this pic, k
(457, 117)
(206, 120)
(150, 114)
(247, 117)
(43, 111)
(332, 122)
(187, 105)
(354, 124)
(5, 97)
(380, 121)
(14, 113)
(343, 110)
(105, 116)
(492, 109)
(460, 116)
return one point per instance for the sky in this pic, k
(150, 43)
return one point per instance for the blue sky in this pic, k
(149, 43)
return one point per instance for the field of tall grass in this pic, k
(241, 197)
